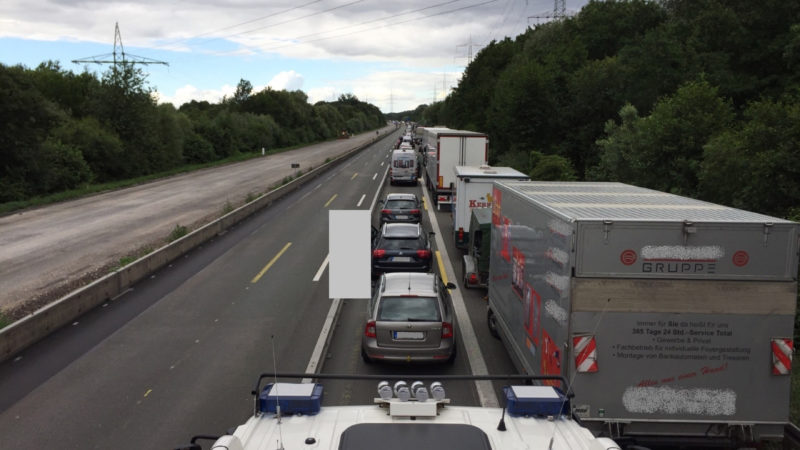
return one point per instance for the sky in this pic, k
(393, 54)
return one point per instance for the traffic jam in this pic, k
(565, 276)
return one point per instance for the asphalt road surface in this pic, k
(47, 249)
(179, 353)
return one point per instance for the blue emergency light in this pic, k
(534, 401)
(293, 398)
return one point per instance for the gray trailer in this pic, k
(673, 317)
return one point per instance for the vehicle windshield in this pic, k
(409, 309)
(401, 244)
(400, 204)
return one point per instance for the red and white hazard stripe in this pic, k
(782, 350)
(585, 353)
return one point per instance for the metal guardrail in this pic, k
(791, 436)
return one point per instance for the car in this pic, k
(401, 208)
(401, 247)
(410, 319)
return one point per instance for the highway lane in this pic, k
(47, 249)
(344, 353)
(185, 361)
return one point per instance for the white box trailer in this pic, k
(673, 317)
(474, 190)
(444, 150)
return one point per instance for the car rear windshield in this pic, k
(409, 309)
(401, 244)
(400, 204)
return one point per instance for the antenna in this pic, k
(277, 393)
(118, 56)
(575, 372)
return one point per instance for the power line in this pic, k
(392, 16)
(182, 40)
(290, 20)
(381, 26)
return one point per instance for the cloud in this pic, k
(188, 93)
(288, 80)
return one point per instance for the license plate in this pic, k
(402, 217)
(408, 335)
(401, 259)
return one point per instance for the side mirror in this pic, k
(450, 285)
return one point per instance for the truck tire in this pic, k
(491, 321)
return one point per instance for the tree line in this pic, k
(693, 97)
(60, 130)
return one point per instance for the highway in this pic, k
(178, 354)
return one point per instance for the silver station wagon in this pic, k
(409, 319)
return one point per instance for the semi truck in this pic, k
(445, 149)
(474, 190)
(673, 317)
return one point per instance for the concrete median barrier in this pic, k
(27, 331)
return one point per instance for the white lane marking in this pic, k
(362, 199)
(327, 327)
(476, 362)
(317, 187)
(375, 176)
(381, 163)
(321, 269)
(378, 191)
(316, 355)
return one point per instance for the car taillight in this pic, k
(447, 330)
(379, 253)
(369, 330)
(424, 254)
(473, 278)
(386, 211)
(460, 234)
(414, 211)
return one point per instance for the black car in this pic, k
(401, 208)
(401, 247)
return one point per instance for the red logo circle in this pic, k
(740, 258)
(628, 257)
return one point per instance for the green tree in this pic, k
(551, 168)
(101, 149)
(26, 118)
(756, 165)
(664, 151)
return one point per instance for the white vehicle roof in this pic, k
(488, 172)
(389, 424)
(400, 196)
(401, 283)
(401, 230)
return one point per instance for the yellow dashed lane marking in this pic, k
(441, 267)
(329, 201)
(270, 263)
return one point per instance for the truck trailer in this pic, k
(474, 190)
(673, 317)
(445, 149)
